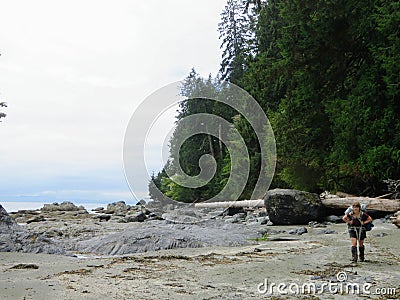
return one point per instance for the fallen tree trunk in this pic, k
(226, 204)
(379, 204)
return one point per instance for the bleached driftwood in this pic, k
(226, 204)
(379, 204)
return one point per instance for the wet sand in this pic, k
(214, 273)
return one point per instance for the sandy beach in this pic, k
(242, 272)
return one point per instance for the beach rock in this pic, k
(298, 231)
(158, 235)
(154, 216)
(65, 206)
(231, 211)
(102, 217)
(164, 205)
(238, 218)
(250, 218)
(141, 202)
(327, 231)
(381, 234)
(22, 241)
(315, 224)
(333, 219)
(80, 212)
(53, 233)
(39, 244)
(119, 208)
(229, 219)
(290, 207)
(271, 231)
(13, 238)
(142, 209)
(262, 220)
(187, 215)
(139, 217)
(98, 209)
(8, 230)
(262, 213)
(180, 219)
(36, 219)
(7, 224)
(22, 216)
(25, 266)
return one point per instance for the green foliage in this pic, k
(261, 239)
(187, 155)
(327, 74)
(2, 115)
(2, 104)
(241, 161)
(236, 32)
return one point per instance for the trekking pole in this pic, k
(359, 234)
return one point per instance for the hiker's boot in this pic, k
(361, 249)
(354, 253)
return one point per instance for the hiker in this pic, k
(356, 219)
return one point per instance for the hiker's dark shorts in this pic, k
(353, 233)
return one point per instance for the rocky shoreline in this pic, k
(173, 251)
(120, 229)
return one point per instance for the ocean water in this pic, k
(15, 206)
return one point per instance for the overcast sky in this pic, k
(73, 72)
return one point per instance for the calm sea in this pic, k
(15, 206)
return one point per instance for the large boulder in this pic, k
(65, 206)
(290, 207)
(138, 217)
(14, 238)
(7, 224)
(118, 208)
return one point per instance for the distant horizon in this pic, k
(14, 206)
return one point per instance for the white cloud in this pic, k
(73, 72)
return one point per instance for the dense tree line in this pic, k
(2, 104)
(2, 115)
(327, 74)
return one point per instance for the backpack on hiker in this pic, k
(369, 225)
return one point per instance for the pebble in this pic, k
(327, 231)
(298, 231)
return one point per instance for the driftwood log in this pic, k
(226, 204)
(378, 204)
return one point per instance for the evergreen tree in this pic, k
(2, 115)
(237, 39)
(2, 104)
(327, 74)
(186, 155)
